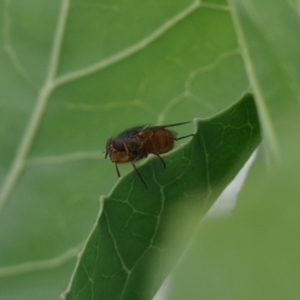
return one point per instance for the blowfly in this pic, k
(138, 142)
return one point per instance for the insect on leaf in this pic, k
(126, 248)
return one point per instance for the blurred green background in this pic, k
(75, 73)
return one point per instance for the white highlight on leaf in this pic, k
(227, 200)
(41, 265)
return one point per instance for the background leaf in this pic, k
(254, 254)
(72, 75)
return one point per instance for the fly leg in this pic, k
(176, 139)
(136, 170)
(157, 154)
(118, 172)
(139, 174)
(163, 162)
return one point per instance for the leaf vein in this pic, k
(9, 49)
(103, 64)
(38, 111)
(40, 265)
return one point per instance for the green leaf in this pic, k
(254, 253)
(72, 74)
(130, 235)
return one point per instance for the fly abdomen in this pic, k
(161, 141)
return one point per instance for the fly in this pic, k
(138, 142)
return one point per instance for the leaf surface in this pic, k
(130, 235)
(254, 254)
(73, 74)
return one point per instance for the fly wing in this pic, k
(170, 125)
(130, 132)
(174, 133)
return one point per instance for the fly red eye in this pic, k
(118, 145)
